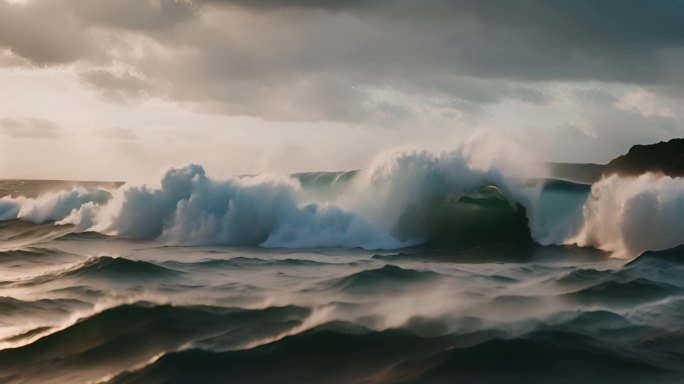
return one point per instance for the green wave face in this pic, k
(482, 217)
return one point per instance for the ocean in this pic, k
(420, 269)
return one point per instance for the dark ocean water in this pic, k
(476, 300)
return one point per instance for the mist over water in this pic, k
(420, 268)
(388, 205)
(402, 199)
(341, 192)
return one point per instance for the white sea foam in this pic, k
(630, 215)
(52, 206)
(189, 207)
(622, 215)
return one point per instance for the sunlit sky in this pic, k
(104, 90)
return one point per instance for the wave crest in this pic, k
(365, 209)
(405, 198)
(628, 216)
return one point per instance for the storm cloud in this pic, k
(576, 76)
(325, 60)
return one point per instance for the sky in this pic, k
(117, 90)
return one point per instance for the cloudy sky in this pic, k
(102, 89)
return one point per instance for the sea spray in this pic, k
(630, 215)
(53, 206)
(404, 198)
(400, 200)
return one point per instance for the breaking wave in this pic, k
(631, 215)
(453, 199)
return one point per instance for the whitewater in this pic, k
(470, 265)
(401, 200)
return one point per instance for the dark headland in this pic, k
(665, 157)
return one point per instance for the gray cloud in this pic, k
(331, 5)
(610, 40)
(612, 23)
(155, 15)
(320, 60)
(118, 85)
(601, 130)
(117, 133)
(64, 31)
(43, 32)
(29, 127)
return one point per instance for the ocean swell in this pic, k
(397, 202)
(406, 198)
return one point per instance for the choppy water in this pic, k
(88, 308)
(421, 269)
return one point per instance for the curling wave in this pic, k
(453, 199)
(397, 202)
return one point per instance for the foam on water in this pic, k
(401, 199)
